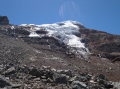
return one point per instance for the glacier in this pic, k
(65, 32)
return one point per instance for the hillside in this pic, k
(49, 56)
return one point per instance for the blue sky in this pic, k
(102, 15)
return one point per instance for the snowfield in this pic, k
(63, 31)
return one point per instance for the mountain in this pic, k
(52, 55)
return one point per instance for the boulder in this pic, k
(4, 82)
(84, 77)
(73, 79)
(10, 71)
(100, 76)
(78, 85)
(36, 72)
(66, 72)
(60, 79)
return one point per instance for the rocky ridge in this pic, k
(4, 20)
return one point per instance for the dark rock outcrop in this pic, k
(4, 20)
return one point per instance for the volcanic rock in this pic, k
(4, 20)
(78, 85)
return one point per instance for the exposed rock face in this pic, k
(102, 44)
(4, 20)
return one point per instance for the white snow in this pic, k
(23, 24)
(64, 32)
(33, 34)
(75, 42)
(27, 25)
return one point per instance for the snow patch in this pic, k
(33, 34)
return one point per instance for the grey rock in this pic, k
(35, 72)
(78, 85)
(16, 85)
(75, 78)
(116, 84)
(9, 71)
(66, 72)
(4, 82)
(60, 79)
(100, 76)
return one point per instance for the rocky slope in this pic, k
(63, 55)
(102, 43)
